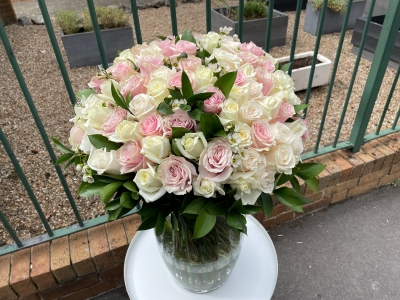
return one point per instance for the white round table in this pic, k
(253, 278)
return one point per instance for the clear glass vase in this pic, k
(200, 265)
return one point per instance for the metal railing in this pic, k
(357, 137)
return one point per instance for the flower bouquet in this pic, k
(193, 131)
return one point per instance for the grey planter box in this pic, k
(373, 35)
(254, 30)
(82, 50)
(333, 20)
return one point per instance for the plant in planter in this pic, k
(334, 15)
(79, 40)
(254, 24)
(289, 5)
(302, 68)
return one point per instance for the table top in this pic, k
(253, 278)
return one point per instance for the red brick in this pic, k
(369, 161)
(344, 186)
(97, 289)
(339, 197)
(361, 189)
(316, 196)
(268, 223)
(392, 141)
(389, 153)
(20, 269)
(373, 176)
(80, 254)
(30, 297)
(40, 272)
(358, 164)
(287, 216)
(324, 202)
(117, 240)
(60, 260)
(99, 249)
(260, 216)
(372, 149)
(6, 291)
(394, 169)
(68, 288)
(131, 224)
(388, 179)
(343, 164)
(116, 272)
(324, 178)
(332, 168)
(277, 210)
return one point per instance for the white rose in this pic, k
(156, 148)
(282, 82)
(248, 190)
(149, 184)
(151, 50)
(162, 72)
(126, 131)
(282, 133)
(192, 144)
(255, 90)
(210, 41)
(104, 162)
(96, 115)
(142, 105)
(281, 158)
(106, 89)
(268, 57)
(228, 61)
(206, 188)
(85, 145)
(158, 89)
(271, 106)
(204, 77)
(297, 127)
(251, 159)
(248, 70)
(230, 46)
(291, 97)
(124, 56)
(230, 110)
(265, 178)
(250, 111)
(240, 93)
(244, 133)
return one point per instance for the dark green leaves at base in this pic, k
(291, 198)
(205, 223)
(210, 125)
(225, 83)
(99, 142)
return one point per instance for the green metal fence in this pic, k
(357, 138)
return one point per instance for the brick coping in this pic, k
(90, 262)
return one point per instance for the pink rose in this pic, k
(215, 161)
(252, 48)
(286, 111)
(213, 104)
(269, 66)
(151, 125)
(167, 46)
(135, 85)
(130, 158)
(262, 135)
(75, 136)
(249, 57)
(112, 120)
(147, 64)
(267, 80)
(240, 78)
(177, 175)
(95, 83)
(179, 119)
(175, 80)
(122, 70)
(189, 64)
(186, 46)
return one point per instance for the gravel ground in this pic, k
(33, 50)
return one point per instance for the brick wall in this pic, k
(90, 262)
(7, 14)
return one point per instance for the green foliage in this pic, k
(254, 10)
(68, 21)
(335, 5)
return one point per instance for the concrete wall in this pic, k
(380, 7)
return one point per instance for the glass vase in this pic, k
(203, 264)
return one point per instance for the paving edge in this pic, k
(90, 262)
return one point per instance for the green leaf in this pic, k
(185, 203)
(119, 177)
(312, 184)
(199, 97)
(174, 148)
(210, 125)
(115, 214)
(237, 206)
(163, 38)
(175, 94)
(291, 198)
(202, 53)
(267, 203)
(160, 224)
(179, 132)
(236, 220)
(99, 142)
(187, 36)
(84, 93)
(285, 67)
(119, 100)
(72, 161)
(204, 224)
(126, 200)
(130, 185)
(283, 178)
(185, 107)
(135, 195)
(225, 83)
(219, 209)
(149, 223)
(196, 206)
(195, 114)
(109, 190)
(63, 158)
(300, 107)
(295, 184)
(250, 209)
(112, 205)
(165, 109)
(310, 170)
(60, 146)
(187, 90)
(148, 211)
(174, 222)
(90, 189)
(221, 133)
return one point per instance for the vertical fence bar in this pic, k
(135, 17)
(38, 122)
(383, 51)
(269, 24)
(10, 230)
(208, 15)
(333, 76)
(295, 33)
(25, 182)
(316, 48)
(57, 51)
(97, 32)
(396, 119)
(174, 25)
(355, 70)
(240, 19)
(389, 98)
